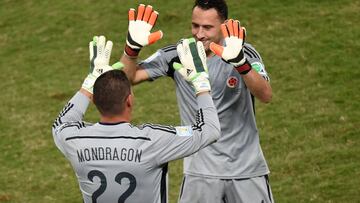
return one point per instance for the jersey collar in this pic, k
(117, 123)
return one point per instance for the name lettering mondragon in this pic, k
(109, 153)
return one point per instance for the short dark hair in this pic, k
(219, 5)
(110, 92)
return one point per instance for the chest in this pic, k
(224, 79)
(227, 86)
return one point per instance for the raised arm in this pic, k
(189, 139)
(140, 25)
(69, 120)
(233, 53)
(133, 71)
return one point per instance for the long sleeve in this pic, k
(178, 142)
(69, 121)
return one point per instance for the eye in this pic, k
(208, 27)
(194, 25)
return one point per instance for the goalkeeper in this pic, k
(115, 161)
(234, 168)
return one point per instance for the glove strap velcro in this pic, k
(245, 68)
(132, 53)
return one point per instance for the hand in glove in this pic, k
(100, 52)
(139, 30)
(193, 64)
(233, 52)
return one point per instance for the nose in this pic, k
(200, 34)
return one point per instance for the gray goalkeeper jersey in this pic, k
(124, 163)
(237, 154)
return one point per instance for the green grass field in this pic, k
(309, 133)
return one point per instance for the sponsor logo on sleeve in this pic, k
(183, 130)
(259, 67)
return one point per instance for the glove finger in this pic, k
(91, 49)
(224, 31)
(236, 25)
(131, 14)
(242, 34)
(202, 54)
(187, 58)
(118, 66)
(100, 46)
(148, 11)
(93, 53)
(95, 40)
(217, 49)
(229, 25)
(180, 50)
(140, 13)
(177, 66)
(184, 53)
(195, 56)
(107, 54)
(201, 50)
(155, 36)
(180, 69)
(95, 43)
(153, 18)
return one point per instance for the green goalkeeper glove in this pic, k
(139, 30)
(100, 53)
(193, 66)
(233, 53)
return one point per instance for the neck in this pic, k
(209, 54)
(115, 119)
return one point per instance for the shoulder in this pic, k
(169, 48)
(170, 54)
(167, 53)
(158, 127)
(162, 59)
(69, 128)
(251, 52)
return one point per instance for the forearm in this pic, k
(75, 109)
(258, 86)
(86, 93)
(130, 67)
(70, 118)
(208, 117)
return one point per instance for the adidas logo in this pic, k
(100, 70)
(188, 71)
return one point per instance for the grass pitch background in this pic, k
(309, 133)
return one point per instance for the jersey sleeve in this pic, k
(255, 60)
(69, 121)
(173, 143)
(160, 63)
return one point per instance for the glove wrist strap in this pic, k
(130, 52)
(244, 68)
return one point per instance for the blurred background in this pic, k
(309, 132)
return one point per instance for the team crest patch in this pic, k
(232, 82)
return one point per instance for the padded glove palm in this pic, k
(100, 52)
(233, 52)
(139, 29)
(193, 66)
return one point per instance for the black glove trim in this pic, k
(245, 68)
